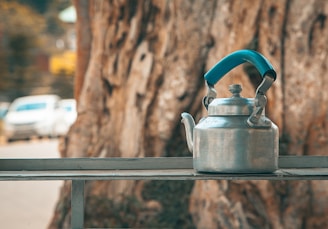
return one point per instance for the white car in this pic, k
(3, 109)
(31, 116)
(66, 116)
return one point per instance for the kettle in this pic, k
(236, 136)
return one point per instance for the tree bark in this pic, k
(147, 59)
(83, 43)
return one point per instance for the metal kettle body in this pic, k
(235, 137)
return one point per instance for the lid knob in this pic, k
(235, 90)
(235, 105)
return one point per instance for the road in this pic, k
(28, 204)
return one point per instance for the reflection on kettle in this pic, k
(236, 136)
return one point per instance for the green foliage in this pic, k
(44, 6)
(39, 6)
(24, 35)
(20, 31)
(54, 25)
(49, 9)
(19, 19)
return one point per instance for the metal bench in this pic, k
(78, 170)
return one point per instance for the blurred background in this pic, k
(137, 65)
(37, 57)
(38, 44)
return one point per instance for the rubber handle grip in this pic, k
(236, 58)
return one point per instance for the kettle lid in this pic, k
(235, 105)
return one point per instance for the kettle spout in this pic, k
(189, 124)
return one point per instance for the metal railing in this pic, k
(78, 170)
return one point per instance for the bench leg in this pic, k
(77, 204)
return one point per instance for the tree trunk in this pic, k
(146, 66)
(83, 44)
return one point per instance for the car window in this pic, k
(68, 108)
(31, 106)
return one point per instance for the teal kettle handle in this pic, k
(236, 58)
(229, 62)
